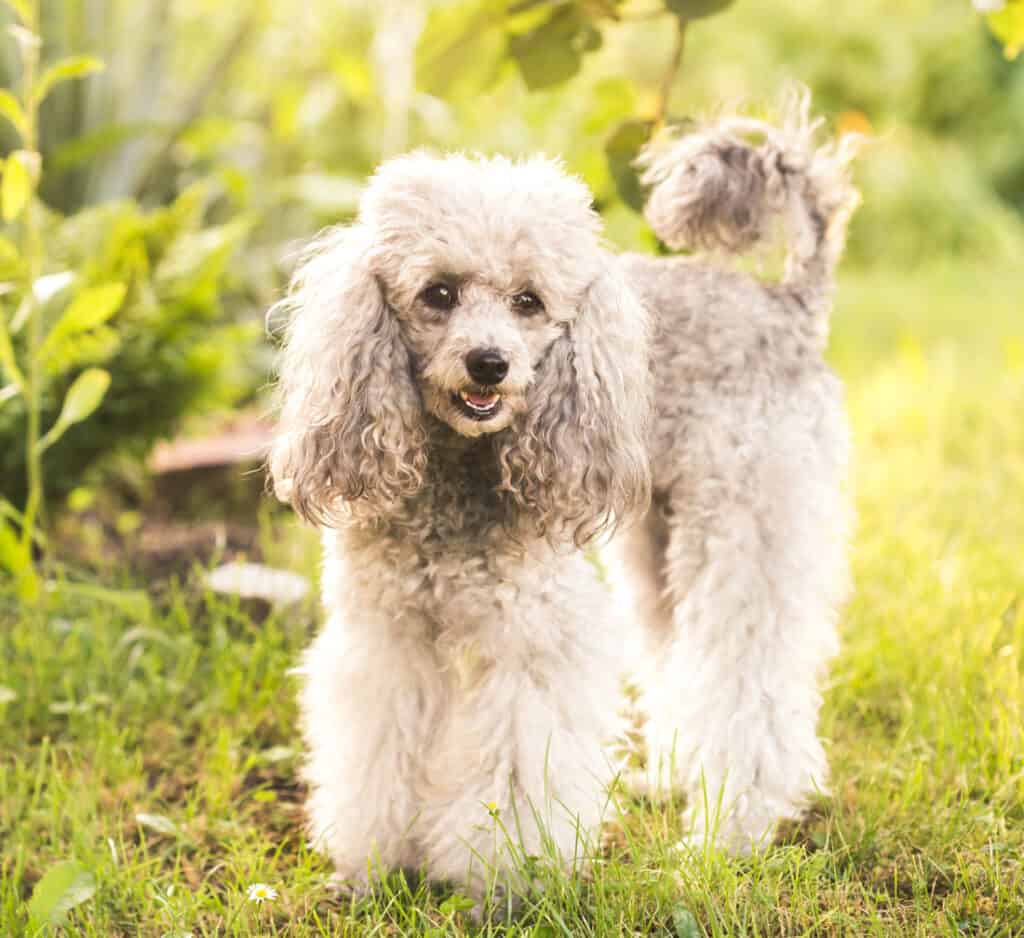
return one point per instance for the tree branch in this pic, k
(671, 73)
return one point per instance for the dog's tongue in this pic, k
(480, 400)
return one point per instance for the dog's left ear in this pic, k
(580, 460)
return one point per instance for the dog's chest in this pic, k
(446, 580)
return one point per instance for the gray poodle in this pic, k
(463, 406)
(465, 391)
(739, 568)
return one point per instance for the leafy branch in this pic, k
(22, 170)
(466, 45)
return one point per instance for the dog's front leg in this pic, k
(367, 700)
(517, 777)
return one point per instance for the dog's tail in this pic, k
(731, 184)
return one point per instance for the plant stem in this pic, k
(33, 259)
(669, 78)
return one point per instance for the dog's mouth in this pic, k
(477, 404)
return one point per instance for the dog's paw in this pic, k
(741, 832)
(350, 885)
(652, 785)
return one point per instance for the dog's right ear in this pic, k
(350, 428)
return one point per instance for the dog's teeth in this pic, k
(479, 402)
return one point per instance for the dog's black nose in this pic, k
(486, 365)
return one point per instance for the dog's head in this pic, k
(475, 292)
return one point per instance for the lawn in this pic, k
(152, 740)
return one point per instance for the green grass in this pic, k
(186, 712)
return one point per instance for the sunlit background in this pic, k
(220, 135)
(147, 724)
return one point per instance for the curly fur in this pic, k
(349, 426)
(462, 679)
(567, 463)
(739, 568)
(728, 185)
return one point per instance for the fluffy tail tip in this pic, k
(722, 186)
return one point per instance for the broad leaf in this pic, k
(16, 188)
(91, 308)
(552, 52)
(696, 9)
(684, 924)
(96, 347)
(456, 903)
(65, 70)
(621, 151)
(10, 108)
(460, 48)
(14, 555)
(84, 396)
(1008, 26)
(62, 888)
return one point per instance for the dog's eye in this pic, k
(527, 303)
(440, 296)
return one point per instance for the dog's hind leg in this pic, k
(756, 571)
(636, 565)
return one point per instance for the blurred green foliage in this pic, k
(925, 80)
(289, 108)
(169, 348)
(1006, 20)
(220, 135)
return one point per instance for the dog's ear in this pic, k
(350, 426)
(579, 458)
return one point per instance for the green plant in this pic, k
(934, 92)
(111, 306)
(158, 753)
(467, 47)
(170, 348)
(21, 173)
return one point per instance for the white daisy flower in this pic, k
(261, 892)
(988, 6)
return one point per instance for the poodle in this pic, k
(738, 569)
(463, 407)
